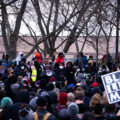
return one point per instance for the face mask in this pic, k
(61, 67)
(22, 67)
(83, 69)
(78, 70)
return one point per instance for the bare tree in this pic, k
(63, 16)
(52, 18)
(10, 36)
(8, 2)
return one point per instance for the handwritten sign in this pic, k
(111, 84)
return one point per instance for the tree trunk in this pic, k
(77, 48)
(10, 37)
(83, 44)
(97, 53)
(107, 51)
(13, 48)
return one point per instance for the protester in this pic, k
(70, 71)
(60, 58)
(38, 57)
(42, 112)
(60, 73)
(19, 57)
(81, 60)
(55, 90)
(71, 98)
(98, 111)
(74, 111)
(25, 113)
(64, 115)
(5, 105)
(63, 99)
(88, 116)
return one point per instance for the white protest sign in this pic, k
(111, 84)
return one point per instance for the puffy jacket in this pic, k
(59, 60)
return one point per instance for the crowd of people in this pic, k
(47, 89)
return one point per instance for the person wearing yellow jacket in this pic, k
(33, 73)
(33, 76)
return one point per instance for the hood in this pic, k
(53, 97)
(20, 54)
(32, 103)
(38, 57)
(73, 109)
(24, 96)
(19, 57)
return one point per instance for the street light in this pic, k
(117, 31)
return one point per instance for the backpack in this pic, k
(45, 117)
(2, 112)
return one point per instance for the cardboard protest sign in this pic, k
(111, 83)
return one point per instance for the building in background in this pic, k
(89, 48)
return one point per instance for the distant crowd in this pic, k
(53, 89)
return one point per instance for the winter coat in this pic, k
(83, 108)
(75, 118)
(110, 116)
(20, 70)
(70, 75)
(60, 107)
(59, 60)
(60, 74)
(8, 90)
(19, 57)
(5, 114)
(42, 112)
(14, 111)
(84, 61)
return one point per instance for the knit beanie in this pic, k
(53, 96)
(52, 79)
(73, 109)
(95, 84)
(32, 103)
(63, 98)
(6, 102)
(4, 64)
(71, 97)
(41, 101)
(15, 87)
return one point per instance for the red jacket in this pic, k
(59, 60)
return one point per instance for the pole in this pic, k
(117, 31)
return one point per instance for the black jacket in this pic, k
(14, 111)
(5, 114)
(60, 74)
(70, 75)
(41, 113)
(110, 116)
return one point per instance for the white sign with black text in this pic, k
(111, 83)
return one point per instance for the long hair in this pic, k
(96, 98)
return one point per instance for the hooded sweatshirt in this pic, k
(19, 57)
